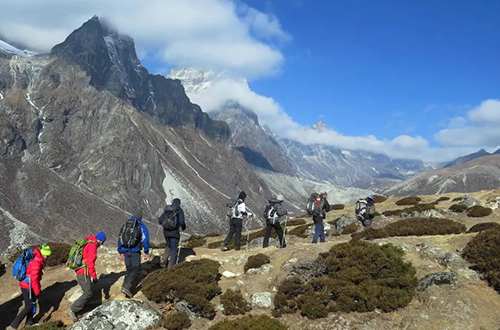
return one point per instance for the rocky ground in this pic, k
(468, 303)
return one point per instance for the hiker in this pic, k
(134, 236)
(318, 217)
(239, 214)
(86, 276)
(365, 211)
(273, 214)
(30, 286)
(172, 219)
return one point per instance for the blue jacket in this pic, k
(181, 221)
(144, 241)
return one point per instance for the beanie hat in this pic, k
(242, 195)
(176, 201)
(280, 198)
(138, 213)
(45, 250)
(101, 236)
(372, 197)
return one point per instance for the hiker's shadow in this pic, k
(102, 290)
(184, 253)
(8, 311)
(50, 299)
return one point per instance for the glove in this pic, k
(94, 281)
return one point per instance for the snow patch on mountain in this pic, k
(9, 49)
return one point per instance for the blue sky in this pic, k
(406, 78)
(408, 66)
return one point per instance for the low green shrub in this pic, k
(354, 276)
(441, 199)
(337, 207)
(214, 234)
(59, 255)
(379, 198)
(50, 325)
(416, 208)
(194, 281)
(478, 211)
(349, 229)
(177, 321)
(256, 261)
(414, 227)
(159, 246)
(483, 226)
(456, 199)
(409, 201)
(483, 253)
(300, 231)
(296, 222)
(234, 303)
(250, 322)
(457, 208)
(333, 222)
(194, 241)
(391, 213)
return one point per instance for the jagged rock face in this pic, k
(110, 60)
(258, 146)
(478, 174)
(76, 159)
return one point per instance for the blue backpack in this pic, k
(21, 264)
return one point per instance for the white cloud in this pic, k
(479, 128)
(209, 34)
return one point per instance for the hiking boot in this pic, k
(71, 315)
(223, 247)
(127, 292)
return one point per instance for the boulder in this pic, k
(119, 315)
(228, 274)
(453, 260)
(344, 222)
(469, 201)
(437, 279)
(264, 269)
(258, 242)
(261, 300)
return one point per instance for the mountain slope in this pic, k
(466, 158)
(477, 174)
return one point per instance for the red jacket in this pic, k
(34, 273)
(89, 257)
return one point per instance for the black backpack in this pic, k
(168, 219)
(270, 213)
(130, 233)
(314, 204)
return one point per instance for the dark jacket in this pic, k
(181, 222)
(326, 207)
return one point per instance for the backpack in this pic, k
(130, 233)
(21, 264)
(75, 256)
(314, 204)
(234, 212)
(168, 219)
(270, 213)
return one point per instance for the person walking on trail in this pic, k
(134, 237)
(87, 275)
(274, 213)
(239, 214)
(172, 219)
(30, 286)
(319, 230)
(365, 211)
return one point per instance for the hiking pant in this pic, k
(366, 220)
(171, 251)
(27, 312)
(319, 230)
(133, 264)
(86, 284)
(279, 231)
(235, 225)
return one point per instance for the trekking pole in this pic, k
(247, 228)
(179, 249)
(284, 232)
